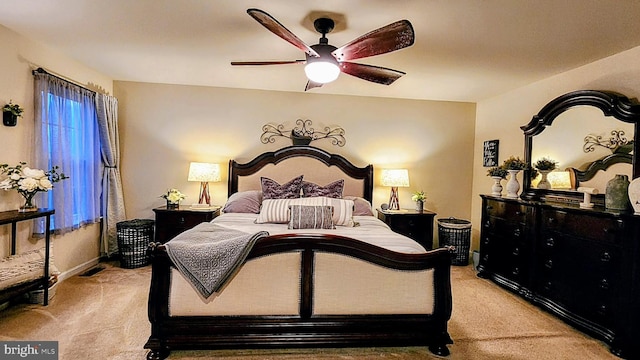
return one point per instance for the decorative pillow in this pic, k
(362, 206)
(277, 210)
(311, 217)
(333, 190)
(244, 202)
(273, 190)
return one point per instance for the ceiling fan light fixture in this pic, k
(321, 71)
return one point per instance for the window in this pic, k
(67, 136)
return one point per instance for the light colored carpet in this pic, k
(104, 317)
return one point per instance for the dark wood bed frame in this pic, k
(304, 329)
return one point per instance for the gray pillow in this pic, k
(311, 217)
(333, 190)
(272, 190)
(244, 202)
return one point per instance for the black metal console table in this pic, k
(13, 217)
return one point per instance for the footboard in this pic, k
(306, 328)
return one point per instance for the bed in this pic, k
(353, 286)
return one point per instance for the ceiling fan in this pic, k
(325, 62)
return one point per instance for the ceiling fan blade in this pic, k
(275, 27)
(371, 73)
(392, 37)
(312, 85)
(283, 62)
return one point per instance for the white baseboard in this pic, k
(78, 269)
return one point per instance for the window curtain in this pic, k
(66, 135)
(112, 196)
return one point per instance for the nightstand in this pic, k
(171, 222)
(417, 225)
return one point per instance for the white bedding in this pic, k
(370, 230)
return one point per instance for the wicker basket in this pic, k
(456, 233)
(134, 237)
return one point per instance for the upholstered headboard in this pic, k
(315, 164)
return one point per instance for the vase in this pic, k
(513, 186)
(172, 205)
(634, 194)
(616, 196)
(8, 119)
(29, 202)
(544, 183)
(496, 189)
(419, 205)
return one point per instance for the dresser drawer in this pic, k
(583, 226)
(512, 212)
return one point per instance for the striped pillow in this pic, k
(311, 217)
(277, 210)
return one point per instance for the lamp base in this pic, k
(204, 194)
(394, 203)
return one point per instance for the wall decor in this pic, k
(614, 143)
(490, 153)
(302, 133)
(10, 114)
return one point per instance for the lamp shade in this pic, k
(395, 177)
(204, 172)
(560, 180)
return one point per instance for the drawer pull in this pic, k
(604, 284)
(516, 251)
(550, 242)
(487, 224)
(516, 232)
(489, 207)
(548, 264)
(552, 220)
(516, 271)
(486, 241)
(520, 213)
(181, 220)
(603, 310)
(547, 286)
(606, 257)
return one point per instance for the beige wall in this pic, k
(164, 127)
(501, 117)
(18, 56)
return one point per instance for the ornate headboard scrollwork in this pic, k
(611, 104)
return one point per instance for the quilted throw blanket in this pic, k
(208, 255)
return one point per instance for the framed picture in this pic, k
(490, 153)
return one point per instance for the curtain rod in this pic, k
(43, 71)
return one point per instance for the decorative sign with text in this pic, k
(490, 153)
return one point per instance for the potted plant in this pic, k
(10, 114)
(497, 173)
(419, 197)
(544, 166)
(28, 182)
(173, 197)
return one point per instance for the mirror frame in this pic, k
(611, 104)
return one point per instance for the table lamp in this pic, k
(395, 178)
(205, 173)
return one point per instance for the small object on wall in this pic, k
(634, 195)
(302, 134)
(10, 114)
(617, 193)
(586, 203)
(490, 153)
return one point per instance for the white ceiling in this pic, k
(465, 50)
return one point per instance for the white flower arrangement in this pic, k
(28, 181)
(173, 196)
(419, 196)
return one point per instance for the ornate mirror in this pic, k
(592, 138)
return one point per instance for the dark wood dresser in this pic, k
(582, 265)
